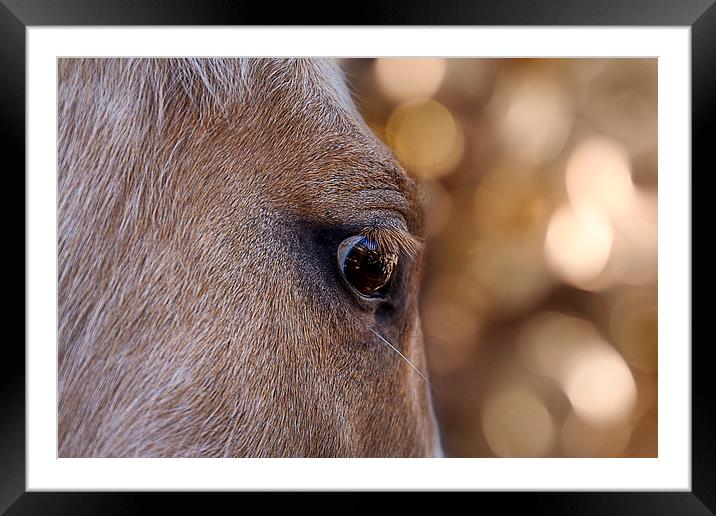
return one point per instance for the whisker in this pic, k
(404, 358)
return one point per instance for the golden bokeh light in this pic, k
(635, 257)
(537, 120)
(577, 247)
(551, 343)
(516, 423)
(411, 78)
(570, 351)
(600, 387)
(425, 137)
(598, 178)
(539, 305)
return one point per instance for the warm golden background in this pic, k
(540, 300)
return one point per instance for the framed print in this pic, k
(450, 250)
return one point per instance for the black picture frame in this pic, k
(17, 15)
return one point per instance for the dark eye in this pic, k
(365, 267)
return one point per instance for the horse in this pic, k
(239, 262)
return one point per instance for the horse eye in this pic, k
(364, 266)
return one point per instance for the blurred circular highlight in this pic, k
(595, 378)
(407, 79)
(577, 248)
(425, 137)
(601, 388)
(598, 178)
(516, 423)
(551, 343)
(537, 120)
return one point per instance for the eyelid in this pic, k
(394, 239)
(383, 199)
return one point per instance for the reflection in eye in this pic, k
(365, 266)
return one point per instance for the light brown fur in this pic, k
(200, 309)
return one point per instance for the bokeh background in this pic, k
(539, 304)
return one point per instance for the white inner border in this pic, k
(670, 471)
